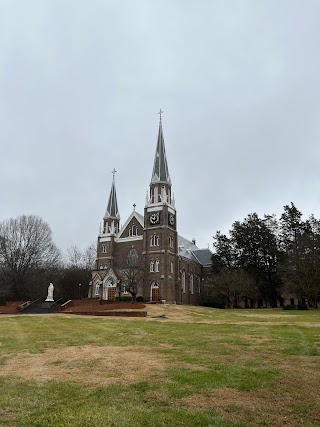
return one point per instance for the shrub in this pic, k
(124, 298)
(289, 307)
(139, 299)
(303, 307)
(214, 303)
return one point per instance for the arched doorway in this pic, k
(154, 292)
(110, 289)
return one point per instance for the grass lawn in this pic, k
(198, 367)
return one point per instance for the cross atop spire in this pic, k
(113, 173)
(161, 112)
(160, 172)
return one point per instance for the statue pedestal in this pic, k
(47, 304)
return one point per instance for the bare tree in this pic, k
(131, 273)
(229, 284)
(76, 258)
(26, 253)
(74, 282)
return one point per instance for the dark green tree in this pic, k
(300, 243)
(256, 243)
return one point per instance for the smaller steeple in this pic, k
(112, 208)
(111, 218)
(160, 172)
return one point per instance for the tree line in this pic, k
(262, 259)
(29, 261)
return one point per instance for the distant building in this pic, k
(172, 268)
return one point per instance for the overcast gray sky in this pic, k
(81, 83)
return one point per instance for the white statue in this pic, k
(50, 293)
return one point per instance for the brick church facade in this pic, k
(147, 249)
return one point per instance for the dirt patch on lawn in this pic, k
(250, 407)
(87, 364)
(176, 313)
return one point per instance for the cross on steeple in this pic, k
(134, 206)
(113, 172)
(161, 112)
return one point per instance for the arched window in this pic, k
(152, 266)
(191, 283)
(171, 267)
(199, 286)
(133, 231)
(104, 249)
(154, 240)
(183, 282)
(156, 266)
(155, 195)
(97, 290)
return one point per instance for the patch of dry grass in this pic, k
(93, 365)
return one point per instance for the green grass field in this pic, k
(199, 367)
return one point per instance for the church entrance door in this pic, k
(111, 293)
(154, 292)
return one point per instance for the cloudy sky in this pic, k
(81, 83)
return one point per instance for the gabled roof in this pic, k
(160, 172)
(185, 247)
(204, 256)
(190, 251)
(138, 217)
(112, 208)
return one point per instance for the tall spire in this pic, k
(160, 172)
(112, 208)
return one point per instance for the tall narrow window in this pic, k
(154, 240)
(156, 196)
(156, 266)
(191, 283)
(183, 282)
(152, 266)
(133, 231)
(171, 267)
(97, 290)
(104, 249)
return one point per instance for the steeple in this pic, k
(112, 216)
(160, 172)
(160, 185)
(112, 209)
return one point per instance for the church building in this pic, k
(146, 254)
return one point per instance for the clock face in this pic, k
(154, 218)
(171, 220)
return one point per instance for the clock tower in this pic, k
(160, 231)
